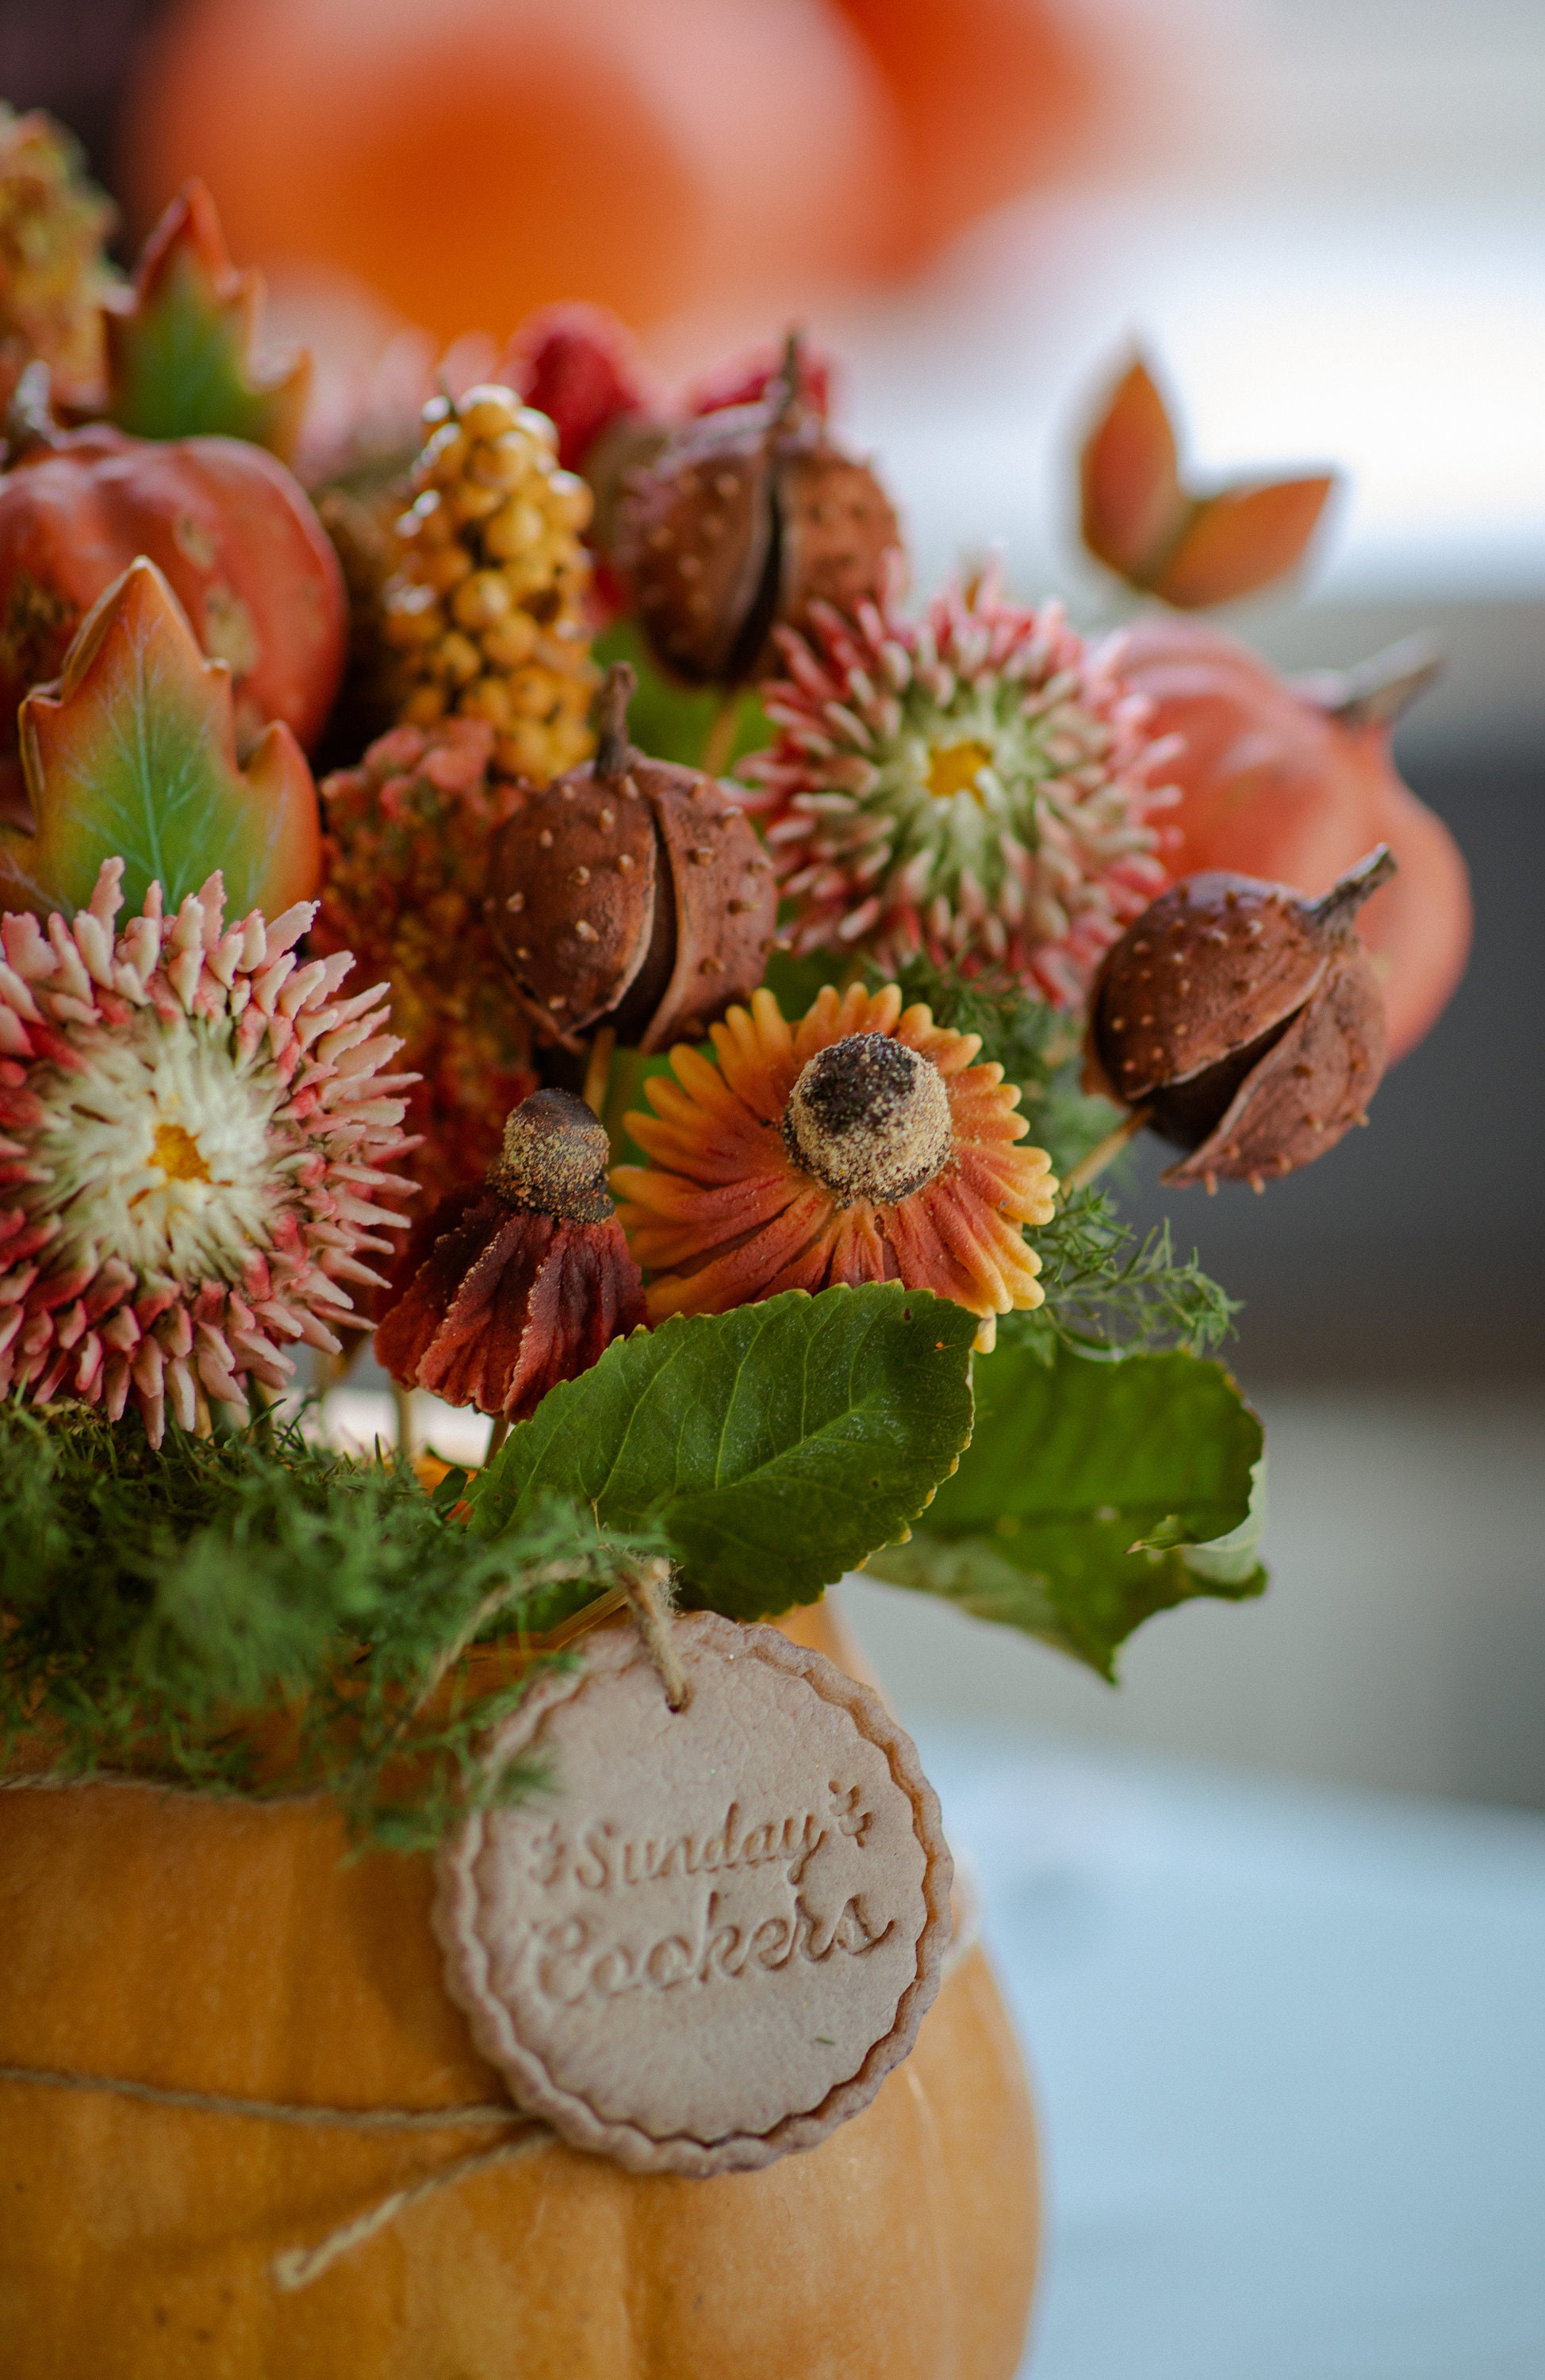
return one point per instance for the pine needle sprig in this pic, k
(171, 1613)
(1111, 1291)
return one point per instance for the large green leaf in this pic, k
(132, 755)
(1094, 1495)
(774, 1446)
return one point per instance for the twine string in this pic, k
(649, 1601)
(296, 2268)
(269, 2111)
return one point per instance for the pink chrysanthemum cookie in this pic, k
(193, 1127)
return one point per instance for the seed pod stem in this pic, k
(598, 1072)
(612, 748)
(1346, 898)
(791, 379)
(1105, 1151)
(719, 741)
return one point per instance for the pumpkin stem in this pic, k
(1378, 690)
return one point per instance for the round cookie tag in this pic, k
(715, 1932)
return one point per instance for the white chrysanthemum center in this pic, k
(158, 1150)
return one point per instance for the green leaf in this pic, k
(181, 351)
(133, 755)
(774, 1446)
(1094, 1495)
(672, 723)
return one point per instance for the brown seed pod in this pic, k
(743, 518)
(630, 893)
(521, 1281)
(1243, 1021)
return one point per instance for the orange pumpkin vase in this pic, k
(228, 1947)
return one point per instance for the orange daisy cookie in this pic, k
(861, 1144)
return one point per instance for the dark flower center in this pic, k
(869, 1119)
(554, 1161)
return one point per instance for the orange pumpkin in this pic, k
(235, 534)
(226, 1947)
(1277, 783)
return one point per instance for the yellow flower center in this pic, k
(177, 1154)
(954, 769)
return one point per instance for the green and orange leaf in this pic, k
(132, 753)
(1140, 518)
(182, 349)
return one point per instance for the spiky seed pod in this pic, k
(745, 518)
(405, 841)
(53, 271)
(196, 1132)
(631, 893)
(523, 1282)
(976, 785)
(486, 613)
(1246, 1021)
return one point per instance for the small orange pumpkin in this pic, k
(1295, 786)
(235, 534)
(226, 1947)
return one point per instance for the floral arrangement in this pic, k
(771, 1013)
(534, 890)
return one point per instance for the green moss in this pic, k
(154, 1605)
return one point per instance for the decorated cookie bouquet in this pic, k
(463, 1919)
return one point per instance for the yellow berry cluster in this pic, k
(484, 613)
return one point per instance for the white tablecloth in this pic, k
(1289, 2050)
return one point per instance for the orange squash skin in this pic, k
(222, 1947)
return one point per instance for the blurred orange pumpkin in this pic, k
(473, 159)
(1294, 784)
(992, 95)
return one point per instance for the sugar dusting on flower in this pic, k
(976, 785)
(194, 1130)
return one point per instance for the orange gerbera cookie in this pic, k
(861, 1144)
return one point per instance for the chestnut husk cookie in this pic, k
(630, 894)
(1245, 1022)
(743, 519)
